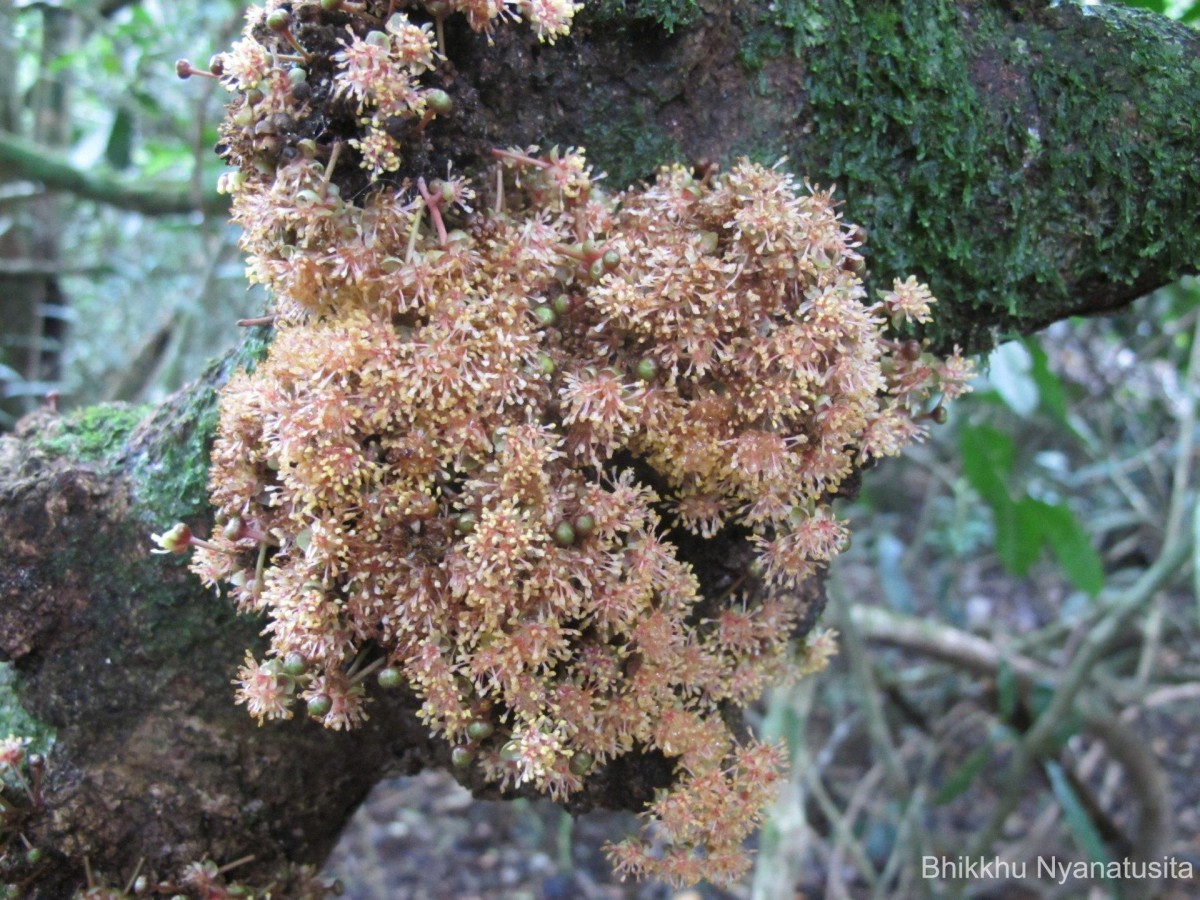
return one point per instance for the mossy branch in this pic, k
(25, 159)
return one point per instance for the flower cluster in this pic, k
(359, 65)
(478, 439)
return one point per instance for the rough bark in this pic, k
(1031, 162)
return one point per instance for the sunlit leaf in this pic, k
(1009, 373)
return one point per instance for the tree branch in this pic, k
(24, 159)
(1031, 162)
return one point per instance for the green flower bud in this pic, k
(439, 101)
(320, 705)
(277, 20)
(581, 763)
(511, 751)
(545, 316)
(295, 665)
(480, 730)
(461, 757)
(561, 304)
(231, 529)
(611, 259)
(647, 369)
(390, 677)
(545, 364)
(297, 75)
(564, 534)
(585, 524)
(465, 523)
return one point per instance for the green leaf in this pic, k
(1050, 388)
(987, 458)
(1019, 535)
(1006, 691)
(962, 777)
(1072, 546)
(119, 150)
(1084, 829)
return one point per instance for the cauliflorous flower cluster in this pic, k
(478, 437)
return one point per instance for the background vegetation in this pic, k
(1035, 554)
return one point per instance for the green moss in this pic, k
(170, 476)
(988, 156)
(15, 719)
(623, 141)
(93, 433)
(668, 14)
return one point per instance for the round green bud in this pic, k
(320, 705)
(545, 364)
(611, 259)
(564, 534)
(232, 529)
(561, 304)
(390, 677)
(480, 730)
(581, 763)
(939, 414)
(331, 5)
(511, 751)
(307, 148)
(277, 20)
(911, 350)
(141, 884)
(461, 757)
(295, 664)
(465, 523)
(545, 316)
(709, 241)
(254, 96)
(597, 269)
(244, 117)
(439, 101)
(297, 75)
(33, 855)
(585, 524)
(589, 248)
(646, 369)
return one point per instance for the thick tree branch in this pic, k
(1030, 162)
(21, 158)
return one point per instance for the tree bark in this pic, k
(1031, 163)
